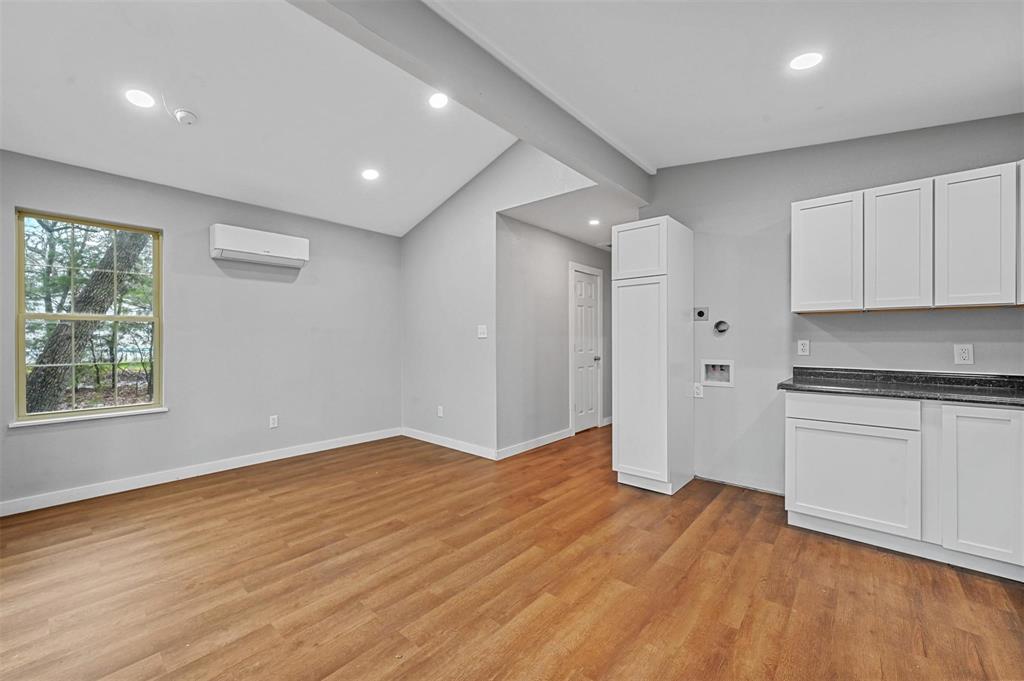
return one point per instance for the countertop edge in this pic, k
(960, 398)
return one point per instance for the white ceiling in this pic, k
(569, 214)
(289, 111)
(670, 83)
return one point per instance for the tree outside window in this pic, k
(88, 316)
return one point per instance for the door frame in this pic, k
(575, 267)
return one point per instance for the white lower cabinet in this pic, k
(860, 475)
(983, 482)
(941, 481)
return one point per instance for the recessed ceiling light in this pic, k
(807, 60)
(594, 222)
(370, 174)
(438, 100)
(140, 98)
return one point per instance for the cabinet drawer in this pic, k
(640, 249)
(859, 475)
(868, 411)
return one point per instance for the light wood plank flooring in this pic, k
(402, 560)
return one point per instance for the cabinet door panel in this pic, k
(975, 237)
(640, 377)
(827, 252)
(983, 482)
(859, 475)
(640, 249)
(898, 246)
(1020, 233)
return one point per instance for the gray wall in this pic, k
(533, 329)
(449, 287)
(739, 209)
(319, 347)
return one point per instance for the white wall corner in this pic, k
(606, 421)
(526, 446)
(451, 443)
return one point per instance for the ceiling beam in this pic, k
(416, 39)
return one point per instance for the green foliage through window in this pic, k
(88, 316)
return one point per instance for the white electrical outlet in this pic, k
(440, 412)
(963, 353)
(481, 331)
(698, 390)
(273, 421)
(803, 347)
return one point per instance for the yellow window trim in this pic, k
(21, 316)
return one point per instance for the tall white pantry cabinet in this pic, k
(652, 354)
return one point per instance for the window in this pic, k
(88, 319)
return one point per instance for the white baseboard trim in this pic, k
(914, 547)
(512, 450)
(99, 489)
(606, 421)
(660, 486)
(730, 483)
(450, 443)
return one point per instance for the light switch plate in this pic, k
(963, 353)
(698, 390)
(273, 422)
(440, 411)
(803, 347)
(481, 331)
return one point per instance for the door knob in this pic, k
(597, 358)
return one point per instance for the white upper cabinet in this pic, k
(975, 237)
(640, 249)
(898, 246)
(828, 253)
(955, 240)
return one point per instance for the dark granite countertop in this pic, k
(1006, 390)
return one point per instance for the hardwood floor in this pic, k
(402, 560)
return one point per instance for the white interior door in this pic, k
(585, 332)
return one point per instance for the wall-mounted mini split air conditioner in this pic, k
(228, 242)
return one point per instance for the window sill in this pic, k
(86, 417)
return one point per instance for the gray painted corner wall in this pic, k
(533, 329)
(326, 348)
(739, 209)
(448, 284)
(318, 347)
